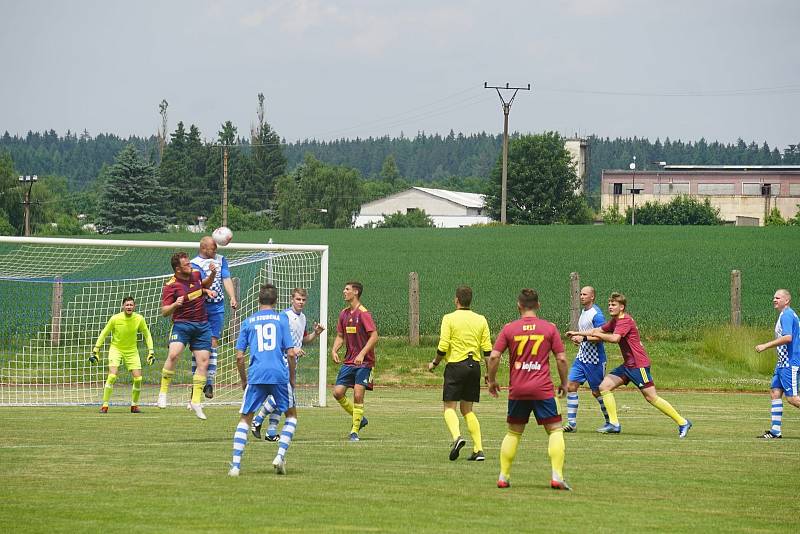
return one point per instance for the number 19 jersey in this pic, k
(266, 334)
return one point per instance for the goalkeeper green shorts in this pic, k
(129, 358)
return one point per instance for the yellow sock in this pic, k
(611, 406)
(166, 378)
(198, 381)
(344, 402)
(358, 414)
(474, 428)
(508, 451)
(109, 388)
(136, 390)
(451, 420)
(557, 449)
(667, 409)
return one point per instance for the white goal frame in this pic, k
(190, 246)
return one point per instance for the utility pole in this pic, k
(27, 202)
(225, 185)
(162, 133)
(506, 110)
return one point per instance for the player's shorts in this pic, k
(786, 378)
(194, 334)
(350, 375)
(592, 373)
(256, 394)
(129, 358)
(462, 381)
(215, 322)
(545, 410)
(639, 376)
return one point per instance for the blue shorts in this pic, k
(256, 394)
(196, 335)
(545, 411)
(592, 373)
(786, 378)
(215, 321)
(350, 375)
(639, 376)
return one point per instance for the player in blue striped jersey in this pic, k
(785, 381)
(590, 362)
(215, 302)
(266, 336)
(300, 335)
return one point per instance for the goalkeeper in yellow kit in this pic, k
(124, 328)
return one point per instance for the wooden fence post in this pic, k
(55, 309)
(736, 298)
(574, 300)
(413, 309)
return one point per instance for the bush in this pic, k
(681, 210)
(612, 215)
(239, 220)
(412, 219)
(775, 218)
(5, 226)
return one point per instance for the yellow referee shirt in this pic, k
(464, 332)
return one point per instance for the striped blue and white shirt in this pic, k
(589, 351)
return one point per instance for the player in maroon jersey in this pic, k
(529, 341)
(622, 329)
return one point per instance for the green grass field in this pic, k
(71, 469)
(677, 278)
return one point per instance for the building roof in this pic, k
(470, 200)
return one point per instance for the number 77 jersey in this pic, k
(266, 334)
(529, 341)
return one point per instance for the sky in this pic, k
(683, 69)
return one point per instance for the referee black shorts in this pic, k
(462, 381)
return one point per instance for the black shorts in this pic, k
(462, 381)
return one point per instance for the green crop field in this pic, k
(74, 470)
(677, 279)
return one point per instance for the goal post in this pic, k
(56, 295)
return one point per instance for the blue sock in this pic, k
(212, 367)
(572, 408)
(777, 416)
(268, 407)
(286, 435)
(239, 441)
(274, 419)
(603, 407)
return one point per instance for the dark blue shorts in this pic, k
(215, 322)
(639, 376)
(256, 394)
(350, 375)
(197, 336)
(545, 411)
(587, 372)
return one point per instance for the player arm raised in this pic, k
(311, 336)
(208, 280)
(595, 334)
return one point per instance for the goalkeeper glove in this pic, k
(95, 357)
(151, 358)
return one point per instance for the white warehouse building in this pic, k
(448, 209)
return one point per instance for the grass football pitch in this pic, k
(72, 469)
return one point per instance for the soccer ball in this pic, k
(222, 235)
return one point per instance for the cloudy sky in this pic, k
(685, 69)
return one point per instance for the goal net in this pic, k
(56, 295)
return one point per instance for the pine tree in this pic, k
(132, 199)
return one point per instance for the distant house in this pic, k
(448, 209)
